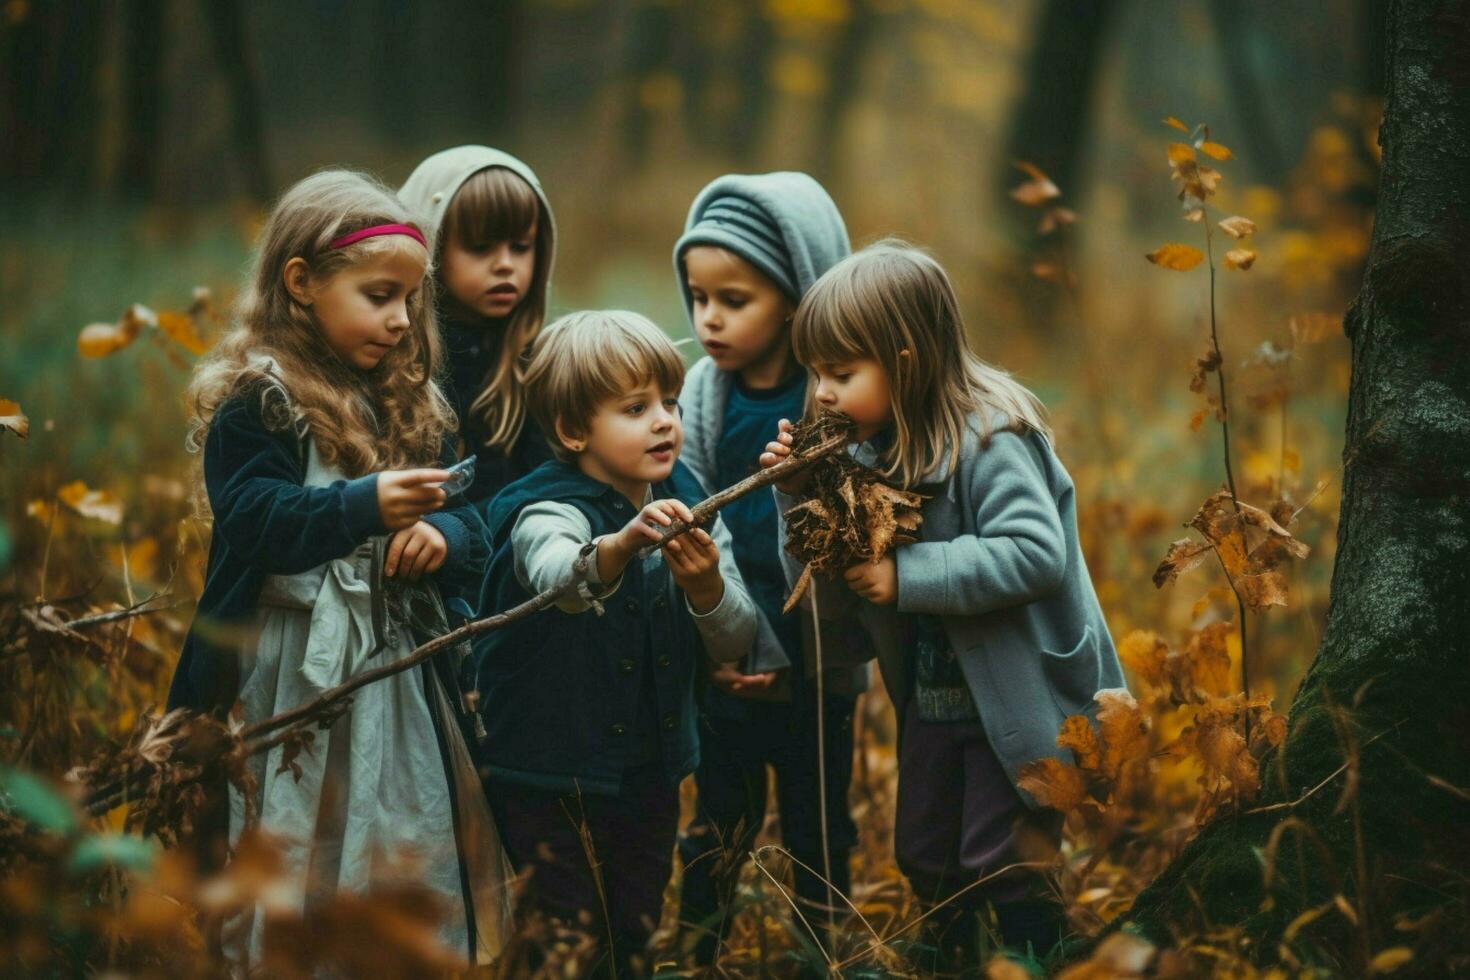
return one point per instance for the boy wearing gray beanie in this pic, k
(752, 246)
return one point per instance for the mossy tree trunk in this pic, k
(1389, 691)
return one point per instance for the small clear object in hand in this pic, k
(461, 475)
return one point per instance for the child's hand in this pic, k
(646, 526)
(727, 677)
(694, 561)
(615, 550)
(875, 581)
(779, 450)
(414, 551)
(406, 495)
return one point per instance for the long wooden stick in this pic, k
(250, 742)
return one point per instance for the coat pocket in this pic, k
(1074, 676)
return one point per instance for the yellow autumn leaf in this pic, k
(12, 418)
(1237, 227)
(101, 505)
(1176, 256)
(1171, 121)
(1218, 151)
(180, 328)
(101, 339)
(1180, 153)
(1390, 959)
(1240, 258)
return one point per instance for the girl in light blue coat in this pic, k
(987, 629)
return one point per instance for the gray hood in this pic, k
(433, 184)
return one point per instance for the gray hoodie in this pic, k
(813, 238)
(433, 184)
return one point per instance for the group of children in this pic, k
(383, 336)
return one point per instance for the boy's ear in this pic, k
(570, 443)
(297, 279)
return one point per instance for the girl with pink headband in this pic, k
(324, 441)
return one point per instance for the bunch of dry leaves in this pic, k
(848, 515)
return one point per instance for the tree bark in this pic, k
(144, 27)
(1049, 125)
(226, 21)
(1394, 663)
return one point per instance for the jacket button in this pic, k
(631, 607)
(664, 661)
(669, 720)
(626, 665)
(618, 729)
(659, 602)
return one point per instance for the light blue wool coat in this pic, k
(813, 239)
(999, 562)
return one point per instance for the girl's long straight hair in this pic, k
(496, 205)
(360, 421)
(892, 302)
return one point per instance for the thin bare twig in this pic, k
(249, 741)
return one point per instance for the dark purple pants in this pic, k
(960, 819)
(632, 841)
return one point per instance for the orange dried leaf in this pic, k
(1183, 555)
(1057, 217)
(1077, 735)
(1176, 256)
(12, 418)
(1047, 271)
(1240, 258)
(1053, 783)
(1171, 121)
(1030, 170)
(1205, 663)
(1180, 153)
(1260, 592)
(1204, 365)
(1123, 727)
(1035, 193)
(1218, 151)
(1197, 419)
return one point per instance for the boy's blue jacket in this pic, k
(561, 692)
(267, 523)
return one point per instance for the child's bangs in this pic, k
(632, 361)
(495, 205)
(829, 326)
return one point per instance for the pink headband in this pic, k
(375, 231)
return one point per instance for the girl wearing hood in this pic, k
(494, 239)
(751, 248)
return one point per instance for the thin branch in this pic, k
(249, 739)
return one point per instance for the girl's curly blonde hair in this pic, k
(390, 417)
